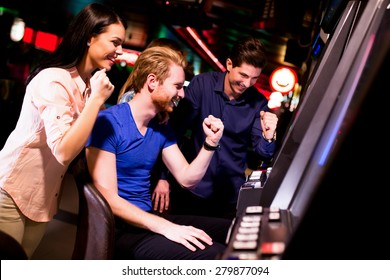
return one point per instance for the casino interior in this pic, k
(318, 193)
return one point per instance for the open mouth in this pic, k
(175, 101)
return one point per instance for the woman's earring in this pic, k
(88, 44)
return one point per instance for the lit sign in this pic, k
(283, 79)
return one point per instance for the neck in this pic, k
(227, 89)
(85, 70)
(142, 109)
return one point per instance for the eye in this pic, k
(179, 86)
(244, 76)
(117, 43)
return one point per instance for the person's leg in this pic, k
(33, 234)
(216, 228)
(136, 243)
(158, 247)
(27, 232)
(11, 220)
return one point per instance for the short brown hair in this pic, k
(248, 50)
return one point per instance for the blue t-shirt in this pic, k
(115, 131)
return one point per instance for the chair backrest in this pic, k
(95, 226)
(10, 249)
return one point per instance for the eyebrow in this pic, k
(118, 38)
(245, 74)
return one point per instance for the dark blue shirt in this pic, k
(203, 97)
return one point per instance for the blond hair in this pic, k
(156, 60)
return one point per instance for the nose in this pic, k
(247, 83)
(181, 93)
(119, 50)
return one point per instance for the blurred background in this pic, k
(206, 30)
(296, 34)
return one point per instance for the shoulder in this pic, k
(110, 121)
(207, 80)
(52, 77)
(53, 84)
(209, 76)
(54, 73)
(117, 111)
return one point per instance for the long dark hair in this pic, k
(92, 20)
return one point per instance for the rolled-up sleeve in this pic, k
(55, 101)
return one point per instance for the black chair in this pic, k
(10, 249)
(95, 225)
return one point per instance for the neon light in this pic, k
(28, 35)
(46, 41)
(204, 47)
(283, 79)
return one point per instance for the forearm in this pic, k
(75, 138)
(195, 171)
(264, 148)
(136, 216)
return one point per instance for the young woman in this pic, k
(63, 97)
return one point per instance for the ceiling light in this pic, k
(17, 30)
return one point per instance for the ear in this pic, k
(151, 81)
(229, 64)
(91, 41)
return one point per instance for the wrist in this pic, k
(270, 140)
(209, 147)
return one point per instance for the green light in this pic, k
(7, 10)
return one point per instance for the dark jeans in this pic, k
(139, 244)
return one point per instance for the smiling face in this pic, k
(282, 80)
(168, 93)
(105, 47)
(239, 78)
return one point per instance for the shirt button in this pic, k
(58, 117)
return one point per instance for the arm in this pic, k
(160, 187)
(263, 131)
(187, 174)
(268, 122)
(160, 196)
(73, 141)
(102, 167)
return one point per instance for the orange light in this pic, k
(283, 79)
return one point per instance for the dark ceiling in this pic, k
(286, 27)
